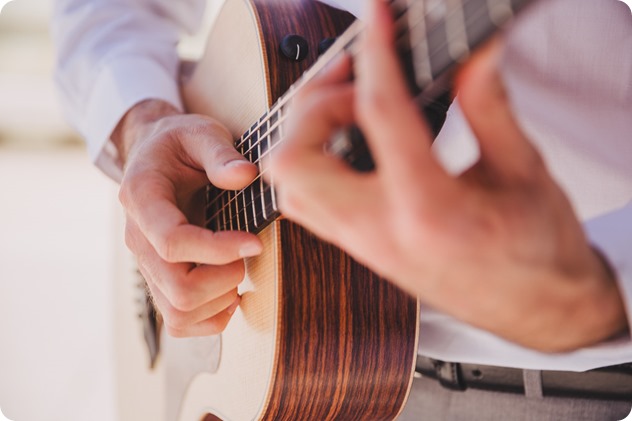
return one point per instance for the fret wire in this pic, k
(235, 211)
(475, 18)
(223, 210)
(254, 210)
(255, 215)
(258, 145)
(448, 17)
(259, 177)
(423, 69)
(456, 24)
(499, 11)
(277, 107)
(242, 212)
(262, 197)
(235, 206)
(351, 34)
(243, 196)
(230, 210)
(261, 183)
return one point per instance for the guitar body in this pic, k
(317, 336)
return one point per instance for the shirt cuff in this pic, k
(124, 82)
(611, 234)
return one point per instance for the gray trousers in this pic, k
(430, 401)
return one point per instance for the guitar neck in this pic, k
(432, 37)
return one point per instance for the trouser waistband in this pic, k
(607, 383)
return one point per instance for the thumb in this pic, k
(505, 150)
(211, 147)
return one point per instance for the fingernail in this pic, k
(250, 249)
(233, 307)
(236, 162)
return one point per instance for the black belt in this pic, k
(607, 383)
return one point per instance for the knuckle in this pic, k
(301, 97)
(124, 195)
(221, 152)
(166, 246)
(131, 190)
(373, 104)
(237, 272)
(130, 238)
(379, 105)
(289, 203)
(175, 318)
(182, 300)
(535, 166)
(174, 332)
(216, 155)
(207, 128)
(283, 162)
(163, 124)
(216, 325)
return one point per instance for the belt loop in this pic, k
(532, 384)
(448, 374)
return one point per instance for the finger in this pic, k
(395, 130)
(301, 160)
(210, 146)
(315, 188)
(314, 119)
(211, 326)
(338, 71)
(209, 319)
(505, 150)
(340, 215)
(184, 321)
(151, 204)
(186, 286)
(320, 109)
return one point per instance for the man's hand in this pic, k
(498, 247)
(168, 158)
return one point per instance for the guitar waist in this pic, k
(606, 383)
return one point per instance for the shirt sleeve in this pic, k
(112, 54)
(611, 234)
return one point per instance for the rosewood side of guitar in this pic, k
(318, 336)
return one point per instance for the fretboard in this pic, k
(254, 207)
(432, 36)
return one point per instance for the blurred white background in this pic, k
(71, 345)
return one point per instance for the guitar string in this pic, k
(278, 106)
(280, 103)
(476, 17)
(401, 40)
(243, 211)
(323, 62)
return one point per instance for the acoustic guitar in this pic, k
(317, 335)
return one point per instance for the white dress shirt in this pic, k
(567, 68)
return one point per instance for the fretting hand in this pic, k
(169, 157)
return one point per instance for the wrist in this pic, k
(137, 124)
(611, 305)
(598, 314)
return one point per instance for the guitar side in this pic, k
(317, 336)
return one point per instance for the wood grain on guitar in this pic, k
(317, 336)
